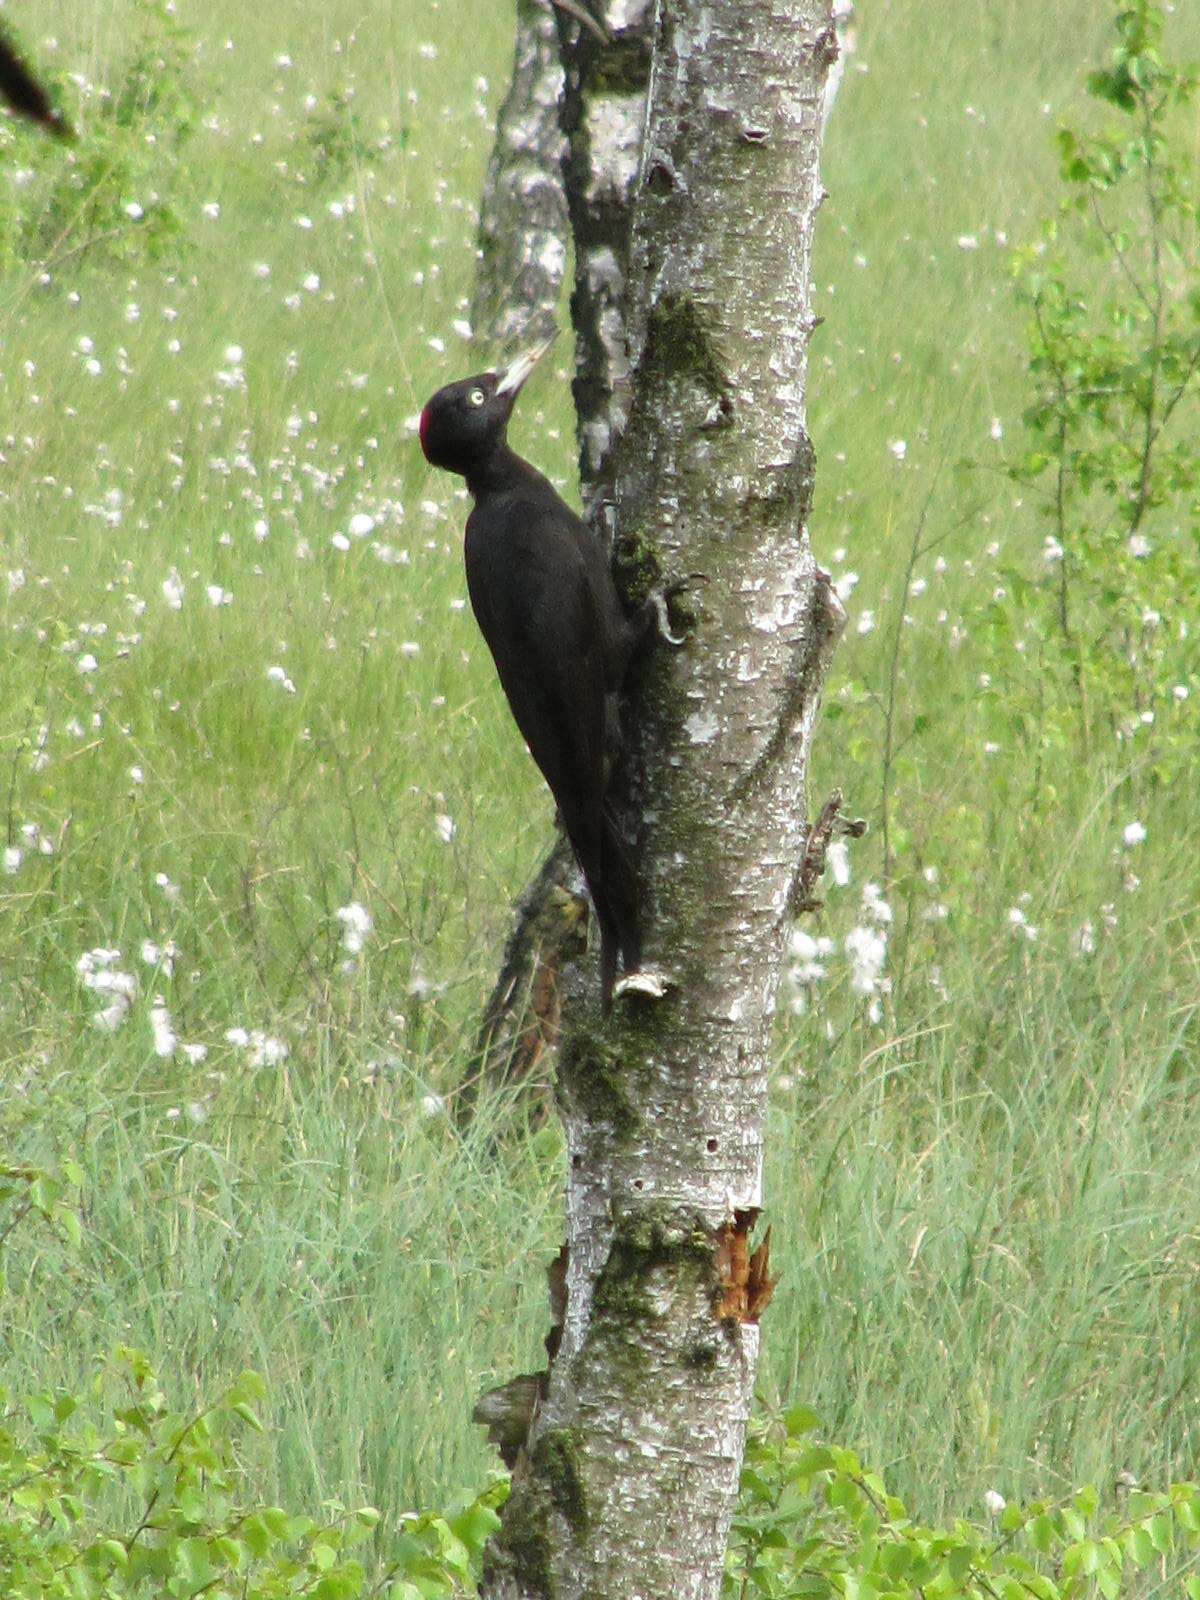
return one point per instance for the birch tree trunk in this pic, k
(522, 211)
(626, 1482)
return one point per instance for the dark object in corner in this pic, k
(25, 94)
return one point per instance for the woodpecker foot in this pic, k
(660, 599)
(648, 983)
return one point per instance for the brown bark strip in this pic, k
(521, 1018)
(802, 896)
(744, 1275)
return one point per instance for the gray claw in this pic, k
(664, 623)
(660, 598)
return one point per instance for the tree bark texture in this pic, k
(603, 116)
(627, 1481)
(521, 1018)
(522, 211)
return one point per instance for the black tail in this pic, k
(612, 884)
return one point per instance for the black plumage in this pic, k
(545, 601)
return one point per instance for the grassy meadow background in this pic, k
(240, 690)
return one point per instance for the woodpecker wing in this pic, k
(531, 592)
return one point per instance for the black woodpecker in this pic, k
(562, 642)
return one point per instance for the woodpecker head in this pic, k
(466, 422)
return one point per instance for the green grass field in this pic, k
(986, 1205)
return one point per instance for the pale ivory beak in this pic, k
(515, 375)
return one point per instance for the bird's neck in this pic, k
(502, 469)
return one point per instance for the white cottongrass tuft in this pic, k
(165, 1039)
(838, 858)
(356, 925)
(98, 971)
(874, 907)
(172, 589)
(866, 951)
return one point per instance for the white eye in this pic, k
(476, 397)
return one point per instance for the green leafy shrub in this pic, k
(812, 1521)
(113, 1494)
(1113, 291)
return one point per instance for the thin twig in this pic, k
(1111, 240)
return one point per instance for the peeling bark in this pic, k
(626, 1484)
(522, 211)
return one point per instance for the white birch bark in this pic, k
(628, 1480)
(522, 210)
(604, 113)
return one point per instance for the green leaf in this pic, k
(1161, 1533)
(243, 1409)
(474, 1526)
(1041, 1533)
(1139, 1546)
(799, 1420)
